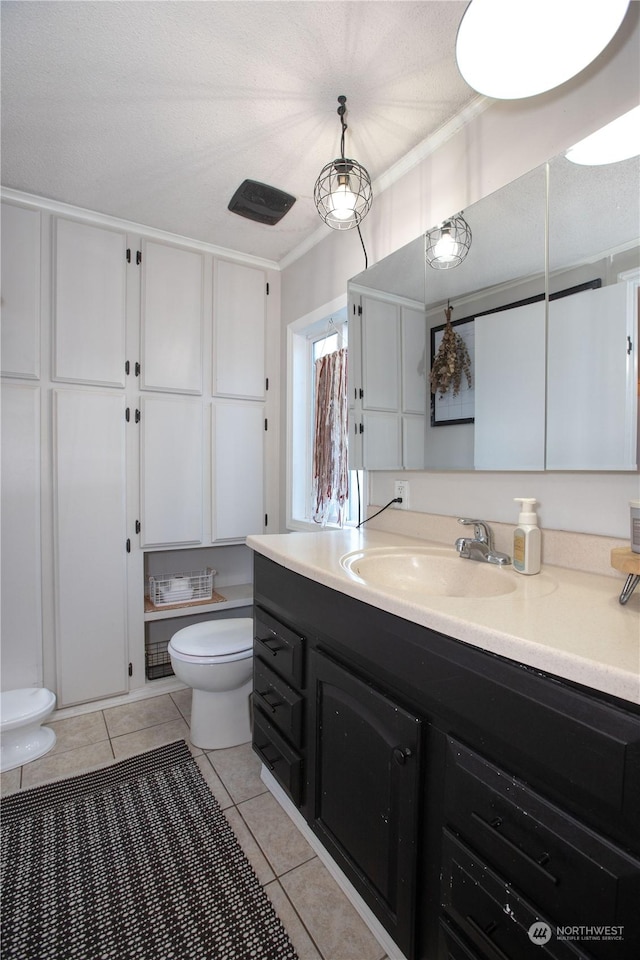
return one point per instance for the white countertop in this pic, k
(563, 622)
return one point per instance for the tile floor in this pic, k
(319, 919)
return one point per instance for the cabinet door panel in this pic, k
(238, 469)
(364, 797)
(89, 314)
(380, 355)
(414, 361)
(239, 330)
(20, 527)
(510, 389)
(171, 317)
(591, 401)
(20, 291)
(382, 441)
(171, 471)
(90, 535)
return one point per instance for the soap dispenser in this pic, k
(526, 538)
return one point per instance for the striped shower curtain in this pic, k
(330, 470)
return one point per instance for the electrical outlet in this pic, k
(401, 489)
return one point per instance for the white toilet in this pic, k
(22, 738)
(215, 658)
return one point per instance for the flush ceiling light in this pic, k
(618, 140)
(343, 191)
(447, 245)
(509, 50)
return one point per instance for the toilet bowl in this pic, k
(22, 738)
(215, 659)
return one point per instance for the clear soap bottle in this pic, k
(526, 538)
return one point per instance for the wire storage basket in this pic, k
(181, 587)
(157, 660)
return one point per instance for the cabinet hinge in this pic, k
(266, 424)
(138, 257)
(130, 669)
(267, 289)
(128, 254)
(137, 417)
(127, 414)
(128, 545)
(138, 526)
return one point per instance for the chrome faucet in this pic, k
(480, 547)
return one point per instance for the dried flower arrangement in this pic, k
(451, 361)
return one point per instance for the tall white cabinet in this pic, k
(142, 429)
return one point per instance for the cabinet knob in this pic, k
(401, 755)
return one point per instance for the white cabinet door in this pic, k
(510, 389)
(171, 318)
(171, 471)
(89, 303)
(380, 355)
(238, 469)
(90, 544)
(591, 398)
(20, 291)
(381, 440)
(414, 361)
(239, 318)
(20, 527)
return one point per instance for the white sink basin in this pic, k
(428, 572)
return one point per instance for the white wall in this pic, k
(500, 142)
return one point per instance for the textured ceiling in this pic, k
(155, 112)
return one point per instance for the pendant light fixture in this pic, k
(446, 246)
(509, 50)
(343, 193)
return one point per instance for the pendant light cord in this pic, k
(364, 249)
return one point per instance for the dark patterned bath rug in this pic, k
(132, 862)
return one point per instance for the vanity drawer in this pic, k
(278, 701)
(276, 754)
(279, 646)
(566, 869)
(493, 917)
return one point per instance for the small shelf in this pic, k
(236, 595)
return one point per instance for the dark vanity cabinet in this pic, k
(482, 809)
(364, 777)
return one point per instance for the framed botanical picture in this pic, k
(447, 408)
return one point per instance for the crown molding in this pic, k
(58, 208)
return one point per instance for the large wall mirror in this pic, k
(553, 346)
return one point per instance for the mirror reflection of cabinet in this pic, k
(388, 383)
(591, 380)
(584, 396)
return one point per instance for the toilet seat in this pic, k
(27, 705)
(213, 641)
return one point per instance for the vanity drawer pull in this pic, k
(267, 696)
(495, 826)
(485, 934)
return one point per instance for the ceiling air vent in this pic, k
(258, 201)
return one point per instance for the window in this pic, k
(309, 339)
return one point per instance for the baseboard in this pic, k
(153, 688)
(374, 925)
